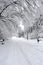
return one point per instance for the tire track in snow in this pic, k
(34, 54)
(33, 46)
(25, 56)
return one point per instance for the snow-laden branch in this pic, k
(14, 2)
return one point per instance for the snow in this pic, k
(19, 51)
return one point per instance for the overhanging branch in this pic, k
(14, 2)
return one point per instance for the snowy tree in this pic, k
(12, 11)
(37, 27)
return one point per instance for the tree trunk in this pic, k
(0, 14)
(27, 36)
(38, 38)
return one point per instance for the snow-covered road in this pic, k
(21, 52)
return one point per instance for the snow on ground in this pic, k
(19, 51)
